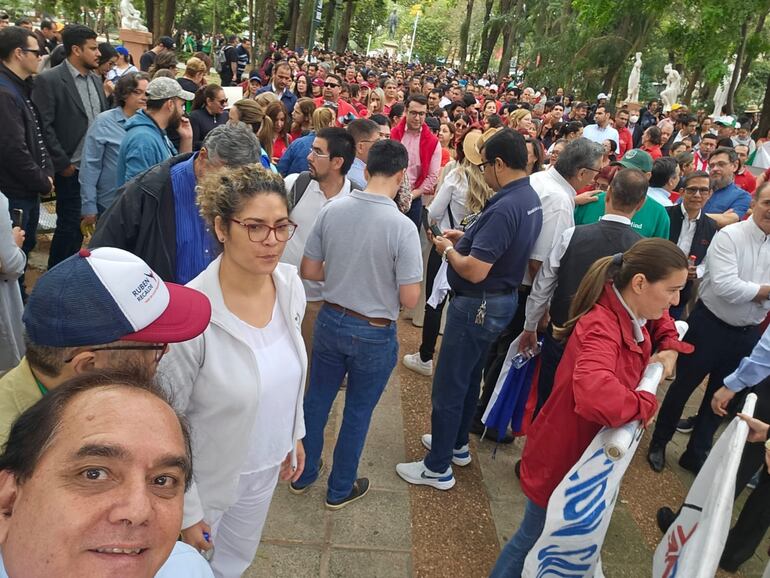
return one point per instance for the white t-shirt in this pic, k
(280, 376)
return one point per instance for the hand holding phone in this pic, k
(17, 217)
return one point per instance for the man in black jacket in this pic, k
(69, 97)
(144, 218)
(25, 171)
(692, 230)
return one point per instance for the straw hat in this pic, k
(473, 143)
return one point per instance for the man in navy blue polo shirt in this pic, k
(728, 203)
(486, 265)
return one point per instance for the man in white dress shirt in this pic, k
(602, 130)
(724, 327)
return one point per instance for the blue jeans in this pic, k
(461, 360)
(29, 221)
(67, 238)
(343, 344)
(511, 560)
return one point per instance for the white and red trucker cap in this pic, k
(107, 294)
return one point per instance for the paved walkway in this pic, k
(399, 531)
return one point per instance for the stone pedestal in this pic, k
(136, 41)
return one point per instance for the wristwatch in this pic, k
(446, 252)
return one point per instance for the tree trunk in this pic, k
(509, 40)
(764, 117)
(269, 13)
(157, 12)
(149, 13)
(751, 55)
(294, 10)
(305, 22)
(483, 62)
(347, 21)
(168, 17)
(330, 8)
(738, 61)
(494, 33)
(464, 29)
(694, 78)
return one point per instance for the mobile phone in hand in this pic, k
(433, 228)
(17, 217)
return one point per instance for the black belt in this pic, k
(373, 321)
(711, 315)
(480, 294)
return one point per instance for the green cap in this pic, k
(636, 159)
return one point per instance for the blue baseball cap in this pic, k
(107, 295)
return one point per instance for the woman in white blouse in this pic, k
(462, 193)
(241, 383)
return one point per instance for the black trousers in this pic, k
(67, 237)
(550, 357)
(432, 321)
(498, 351)
(719, 349)
(754, 519)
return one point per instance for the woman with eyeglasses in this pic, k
(208, 112)
(241, 383)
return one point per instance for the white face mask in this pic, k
(633, 119)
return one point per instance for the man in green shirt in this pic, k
(649, 221)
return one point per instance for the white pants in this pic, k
(236, 532)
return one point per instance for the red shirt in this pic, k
(746, 181)
(279, 146)
(343, 108)
(654, 151)
(626, 141)
(594, 387)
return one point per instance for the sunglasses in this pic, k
(223, 101)
(331, 85)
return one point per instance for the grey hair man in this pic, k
(155, 215)
(576, 168)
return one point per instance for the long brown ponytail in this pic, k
(654, 258)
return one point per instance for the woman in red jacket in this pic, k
(619, 315)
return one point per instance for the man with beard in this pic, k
(330, 159)
(728, 202)
(69, 97)
(146, 143)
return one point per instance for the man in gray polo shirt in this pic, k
(368, 255)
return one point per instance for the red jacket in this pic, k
(428, 142)
(594, 386)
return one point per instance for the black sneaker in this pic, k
(477, 428)
(686, 425)
(298, 490)
(665, 517)
(360, 489)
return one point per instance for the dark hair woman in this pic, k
(618, 317)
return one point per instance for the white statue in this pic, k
(130, 17)
(670, 95)
(633, 80)
(720, 96)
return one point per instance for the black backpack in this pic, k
(298, 189)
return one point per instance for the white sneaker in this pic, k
(461, 457)
(416, 364)
(416, 473)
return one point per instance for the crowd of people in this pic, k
(246, 260)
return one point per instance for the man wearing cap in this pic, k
(69, 97)
(97, 309)
(726, 126)
(649, 221)
(148, 58)
(280, 86)
(146, 144)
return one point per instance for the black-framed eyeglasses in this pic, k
(35, 51)
(259, 232)
(699, 190)
(484, 164)
(160, 350)
(597, 171)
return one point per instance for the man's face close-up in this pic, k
(105, 498)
